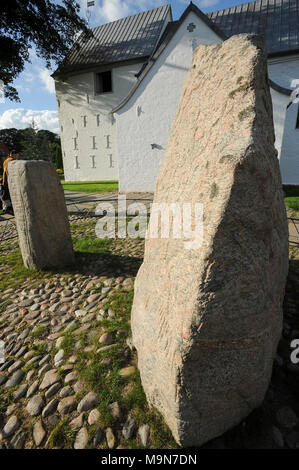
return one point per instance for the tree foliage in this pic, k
(58, 158)
(11, 138)
(44, 24)
(31, 143)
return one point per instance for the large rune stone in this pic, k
(206, 320)
(41, 215)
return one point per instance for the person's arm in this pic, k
(5, 170)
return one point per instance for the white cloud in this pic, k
(44, 75)
(105, 11)
(202, 3)
(28, 77)
(207, 3)
(22, 88)
(111, 10)
(32, 54)
(21, 118)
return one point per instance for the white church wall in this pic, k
(279, 102)
(285, 72)
(143, 124)
(139, 163)
(88, 134)
(289, 157)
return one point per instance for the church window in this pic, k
(103, 82)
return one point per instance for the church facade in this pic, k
(117, 93)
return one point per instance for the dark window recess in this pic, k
(297, 122)
(104, 82)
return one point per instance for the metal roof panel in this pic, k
(277, 20)
(129, 38)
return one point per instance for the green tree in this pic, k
(45, 24)
(11, 138)
(58, 158)
(47, 142)
(29, 144)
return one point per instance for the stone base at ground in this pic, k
(206, 321)
(41, 216)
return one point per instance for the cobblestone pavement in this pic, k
(70, 377)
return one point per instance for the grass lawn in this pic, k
(292, 203)
(292, 197)
(90, 186)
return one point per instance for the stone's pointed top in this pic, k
(206, 321)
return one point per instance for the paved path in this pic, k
(78, 201)
(293, 231)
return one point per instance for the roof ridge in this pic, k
(164, 41)
(134, 37)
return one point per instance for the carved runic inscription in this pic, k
(111, 161)
(75, 143)
(108, 142)
(98, 120)
(94, 144)
(77, 166)
(93, 161)
(84, 120)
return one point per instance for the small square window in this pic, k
(103, 82)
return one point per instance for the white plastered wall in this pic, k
(87, 127)
(143, 124)
(284, 71)
(289, 157)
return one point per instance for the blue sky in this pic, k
(36, 87)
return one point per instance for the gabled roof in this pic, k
(276, 20)
(166, 37)
(133, 37)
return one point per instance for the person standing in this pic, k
(4, 194)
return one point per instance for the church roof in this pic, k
(139, 36)
(276, 20)
(133, 37)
